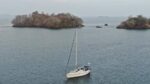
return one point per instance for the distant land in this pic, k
(53, 21)
(112, 21)
(138, 22)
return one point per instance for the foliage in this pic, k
(36, 19)
(138, 22)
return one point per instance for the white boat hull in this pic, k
(75, 73)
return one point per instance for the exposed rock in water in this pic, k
(105, 24)
(138, 22)
(98, 27)
(55, 21)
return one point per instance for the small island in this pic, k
(53, 21)
(138, 22)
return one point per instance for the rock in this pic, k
(98, 27)
(105, 24)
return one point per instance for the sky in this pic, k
(77, 7)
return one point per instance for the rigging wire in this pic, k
(70, 51)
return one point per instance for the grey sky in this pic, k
(78, 7)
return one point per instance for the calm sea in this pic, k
(39, 56)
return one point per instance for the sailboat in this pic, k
(78, 71)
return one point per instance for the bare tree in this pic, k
(36, 19)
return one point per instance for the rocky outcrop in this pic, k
(42, 20)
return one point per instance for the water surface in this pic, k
(39, 56)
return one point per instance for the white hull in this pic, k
(75, 73)
(80, 71)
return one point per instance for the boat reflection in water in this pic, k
(79, 80)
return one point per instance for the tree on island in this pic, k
(36, 19)
(138, 22)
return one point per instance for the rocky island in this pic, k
(53, 21)
(138, 22)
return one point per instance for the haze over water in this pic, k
(39, 56)
(77, 7)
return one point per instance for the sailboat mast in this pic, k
(76, 51)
